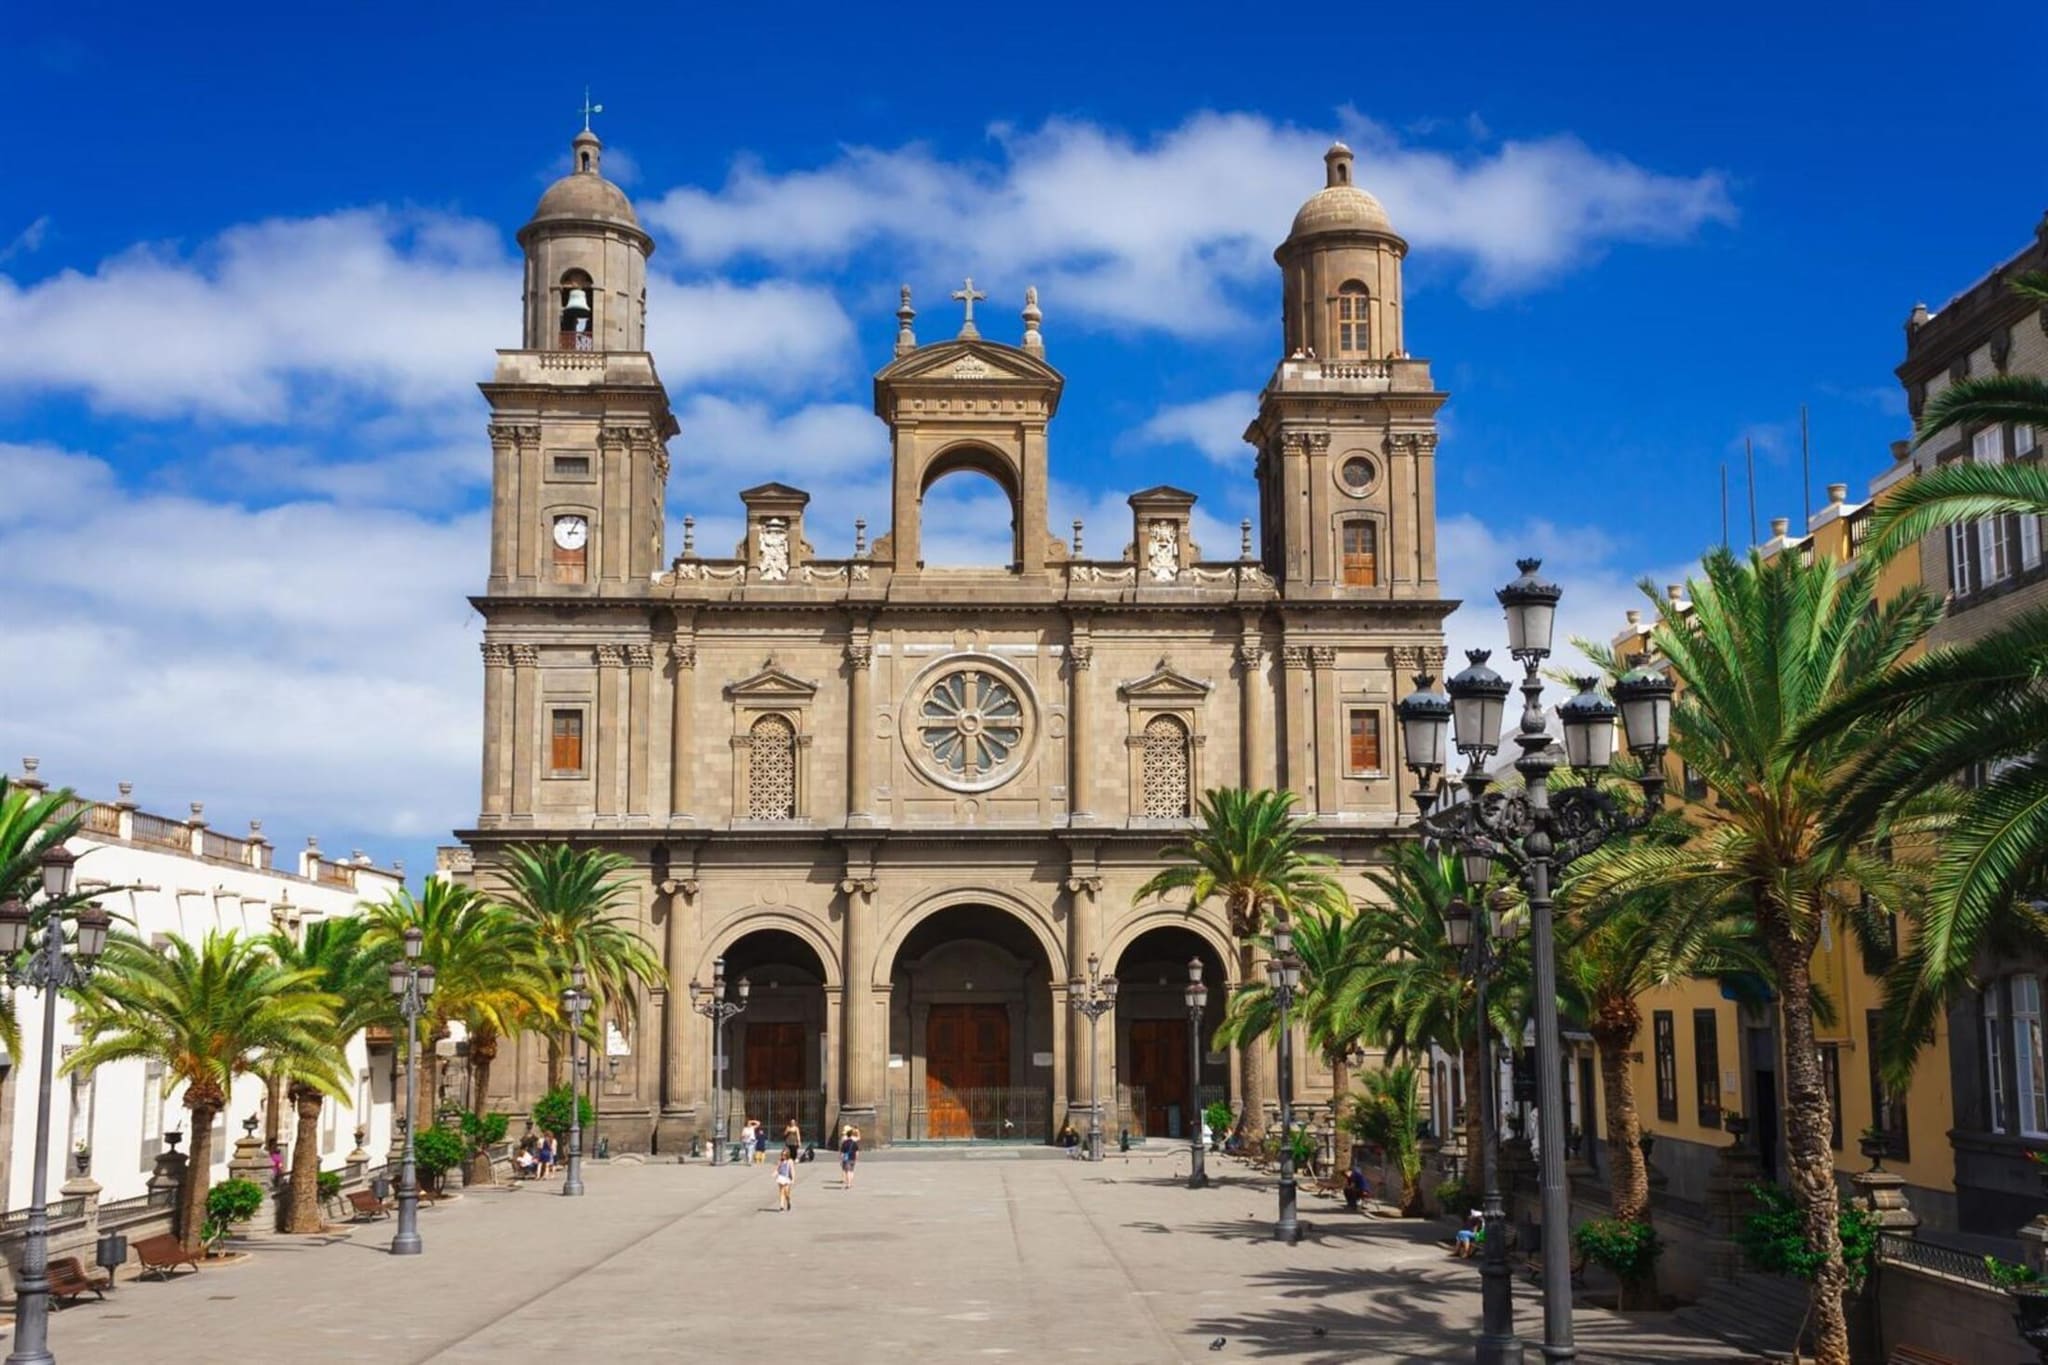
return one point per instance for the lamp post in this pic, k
(1535, 834)
(1283, 975)
(713, 1005)
(412, 983)
(1197, 1000)
(575, 1002)
(1094, 995)
(42, 964)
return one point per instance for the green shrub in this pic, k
(1627, 1248)
(1452, 1196)
(1389, 1115)
(1773, 1239)
(229, 1203)
(436, 1152)
(1219, 1118)
(479, 1131)
(551, 1111)
(2009, 1276)
(330, 1184)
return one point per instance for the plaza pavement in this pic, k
(932, 1257)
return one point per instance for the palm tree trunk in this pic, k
(302, 1214)
(198, 1176)
(1628, 1178)
(1809, 1162)
(555, 1061)
(1340, 1099)
(1251, 1120)
(273, 1110)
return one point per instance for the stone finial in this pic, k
(198, 813)
(312, 843)
(906, 339)
(356, 855)
(1675, 591)
(1634, 615)
(127, 791)
(1077, 537)
(860, 537)
(1033, 341)
(1918, 318)
(1780, 527)
(689, 535)
(1902, 451)
(1838, 493)
(29, 764)
(1244, 539)
(398, 867)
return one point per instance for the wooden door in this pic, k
(966, 1049)
(1159, 1066)
(775, 1061)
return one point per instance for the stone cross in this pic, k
(968, 294)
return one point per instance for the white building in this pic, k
(162, 877)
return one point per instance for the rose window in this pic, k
(971, 724)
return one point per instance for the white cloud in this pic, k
(1165, 233)
(1215, 426)
(29, 239)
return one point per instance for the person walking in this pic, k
(793, 1140)
(785, 1181)
(849, 1152)
(747, 1132)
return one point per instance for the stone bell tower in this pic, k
(1346, 431)
(579, 419)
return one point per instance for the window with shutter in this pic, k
(1706, 1065)
(1365, 742)
(771, 769)
(1361, 554)
(1831, 1081)
(1664, 1031)
(1164, 771)
(1354, 332)
(565, 742)
(1962, 562)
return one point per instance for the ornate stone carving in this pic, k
(1433, 657)
(970, 367)
(683, 653)
(611, 656)
(1322, 656)
(526, 656)
(860, 656)
(1162, 552)
(1250, 654)
(773, 564)
(1164, 768)
(528, 433)
(771, 769)
(1084, 886)
(1405, 658)
(496, 655)
(1294, 656)
(504, 434)
(1081, 656)
(685, 887)
(859, 886)
(640, 656)
(971, 724)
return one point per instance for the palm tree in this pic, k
(1390, 1113)
(488, 970)
(1332, 946)
(32, 822)
(1767, 646)
(572, 899)
(1254, 854)
(333, 951)
(207, 1014)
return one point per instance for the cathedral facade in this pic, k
(910, 804)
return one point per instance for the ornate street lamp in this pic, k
(1094, 995)
(1497, 1343)
(575, 1003)
(1197, 1000)
(412, 983)
(1283, 976)
(713, 1005)
(42, 964)
(1534, 834)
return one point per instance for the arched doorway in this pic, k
(1152, 1047)
(776, 1066)
(968, 512)
(971, 1032)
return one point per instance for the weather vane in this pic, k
(589, 108)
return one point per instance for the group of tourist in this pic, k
(753, 1151)
(536, 1157)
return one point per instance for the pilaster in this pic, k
(1323, 664)
(1080, 807)
(1296, 744)
(682, 658)
(858, 1057)
(525, 729)
(498, 728)
(636, 741)
(610, 659)
(860, 785)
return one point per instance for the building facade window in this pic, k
(1363, 747)
(1887, 1111)
(1695, 785)
(2024, 439)
(1354, 331)
(2032, 1100)
(1706, 1065)
(152, 1112)
(1962, 563)
(565, 741)
(1664, 1032)
(1994, 1057)
(1831, 1081)
(1361, 554)
(771, 769)
(1165, 768)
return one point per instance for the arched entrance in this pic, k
(776, 1067)
(971, 1031)
(1152, 1047)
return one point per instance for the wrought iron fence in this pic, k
(1961, 1265)
(996, 1114)
(1133, 1108)
(774, 1108)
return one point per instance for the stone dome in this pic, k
(1340, 206)
(584, 195)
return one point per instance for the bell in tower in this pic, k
(586, 262)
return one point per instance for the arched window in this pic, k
(1165, 770)
(578, 320)
(771, 769)
(1361, 554)
(1354, 332)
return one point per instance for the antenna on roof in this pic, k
(589, 108)
(1724, 504)
(1805, 471)
(1749, 454)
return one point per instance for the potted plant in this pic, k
(436, 1151)
(2023, 1285)
(1219, 1119)
(228, 1203)
(480, 1132)
(1874, 1143)
(1627, 1248)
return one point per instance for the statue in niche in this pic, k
(1162, 553)
(774, 562)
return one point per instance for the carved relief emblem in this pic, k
(1162, 552)
(774, 562)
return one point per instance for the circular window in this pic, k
(1358, 473)
(968, 724)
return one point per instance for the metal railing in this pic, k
(1932, 1256)
(995, 1114)
(774, 1108)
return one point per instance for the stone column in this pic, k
(1294, 747)
(639, 661)
(1255, 751)
(1883, 1193)
(1079, 807)
(682, 657)
(1084, 936)
(505, 481)
(610, 658)
(497, 731)
(251, 1163)
(525, 727)
(860, 784)
(1327, 726)
(857, 1055)
(678, 1093)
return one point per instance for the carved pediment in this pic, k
(968, 362)
(772, 685)
(1164, 683)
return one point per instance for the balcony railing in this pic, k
(155, 829)
(576, 341)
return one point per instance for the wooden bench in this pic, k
(68, 1279)
(1578, 1268)
(161, 1254)
(1918, 1355)
(367, 1205)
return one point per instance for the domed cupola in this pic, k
(586, 261)
(1341, 266)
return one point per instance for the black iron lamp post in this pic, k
(412, 983)
(1283, 976)
(39, 960)
(1535, 833)
(713, 1005)
(1197, 1001)
(1094, 995)
(575, 1003)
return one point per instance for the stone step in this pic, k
(1755, 1312)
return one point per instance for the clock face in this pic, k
(571, 532)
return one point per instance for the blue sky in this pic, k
(251, 265)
